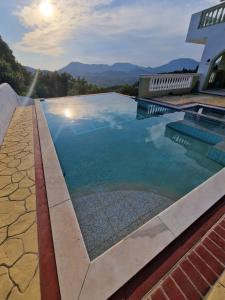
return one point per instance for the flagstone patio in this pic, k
(19, 267)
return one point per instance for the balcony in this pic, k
(166, 84)
(212, 16)
(207, 25)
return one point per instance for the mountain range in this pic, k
(121, 73)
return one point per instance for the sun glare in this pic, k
(67, 113)
(46, 9)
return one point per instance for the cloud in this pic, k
(46, 35)
(102, 26)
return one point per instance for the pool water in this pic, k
(212, 112)
(123, 163)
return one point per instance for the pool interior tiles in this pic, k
(108, 217)
(123, 163)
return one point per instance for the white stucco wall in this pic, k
(8, 103)
(213, 37)
(214, 47)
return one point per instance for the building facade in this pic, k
(207, 28)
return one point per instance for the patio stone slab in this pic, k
(71, 257)
(4, 181)
(55, 184)
(22, 224)
(5, 283)
(10, 251)
(23, 271)
(217, 293)
(32, 291)
(20, 194)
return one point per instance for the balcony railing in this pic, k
(170, 82)
(165, 84)
(212, 16)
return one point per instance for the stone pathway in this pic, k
(218, 291)
(19, 268)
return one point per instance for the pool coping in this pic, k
(80, 278)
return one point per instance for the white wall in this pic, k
(214, 39)
(214, 47)
(8, 103)
(196, 35)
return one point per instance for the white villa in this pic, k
(206, 27)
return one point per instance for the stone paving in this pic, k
(19, 268)
(190, 98)
(218, 291)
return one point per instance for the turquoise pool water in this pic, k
(123, 162)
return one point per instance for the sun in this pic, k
(46, 9)
(68, 113)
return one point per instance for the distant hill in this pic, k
(122, 73)
(104, 75)
(31, 70)
(176, 65)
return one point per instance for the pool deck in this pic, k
(218, 290)
(28, 266)
(193, 98)
(19, 265)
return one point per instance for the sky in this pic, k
(49, 34)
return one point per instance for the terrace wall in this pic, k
(158, 85)
(9, 100)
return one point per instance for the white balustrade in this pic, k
(157, 85)
(163, 82)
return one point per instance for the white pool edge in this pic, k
(80, 278)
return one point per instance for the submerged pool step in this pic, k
(196, 132)
(217, 153)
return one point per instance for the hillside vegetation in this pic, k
(11, 71)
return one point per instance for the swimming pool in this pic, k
(208, 110)
(123, 162)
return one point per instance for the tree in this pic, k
(11, 71)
